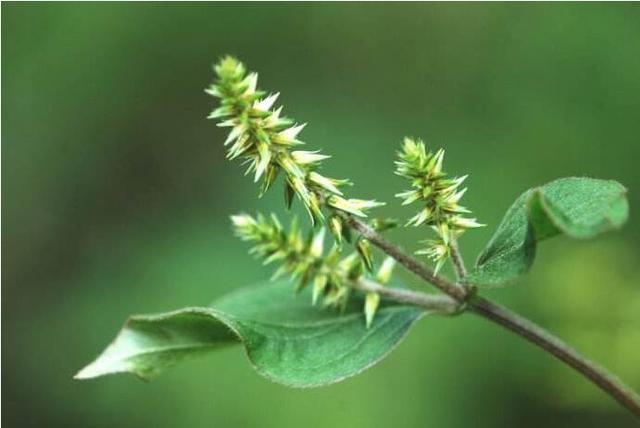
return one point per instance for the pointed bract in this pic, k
(319, 285)
(364, 250)
(266, 103)
(386, 269)
(372, 301)
(335, 226)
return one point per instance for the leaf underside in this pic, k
(577, 207)
(287, 340)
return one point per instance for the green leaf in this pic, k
(286, 339)
(577, 207)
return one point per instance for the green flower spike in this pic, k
(439, 196)
(303, 259)
(265, 140)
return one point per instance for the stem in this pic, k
(540, 337)
(434, 303)
(456, 258)
(452, 289)
(524, 328)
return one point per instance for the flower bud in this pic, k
(371, 302)
(386, 269)
(319, 285)
(335, 226)
(364, 250)
(317, 245)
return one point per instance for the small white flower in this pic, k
(435, 165)
(220, 112)
(252, 82)
(352, 206)
(335, 226)
(242, 220)
(386, 269)
(465, 223)
(409, 196)
(289, 135)
(263, 160)
(423, 216)
(266, 103)
(303, 157)
(290, 166)
(236, 132)
(317, 245)
(372, 300)
(319, 285)
(324, 182)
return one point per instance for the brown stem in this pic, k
(434, 303)
(456, 258)
(452, 289)
(535, 334)
(524, 328)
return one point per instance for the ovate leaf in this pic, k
(286, 338)
(577, 207)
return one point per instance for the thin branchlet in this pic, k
(456, 259)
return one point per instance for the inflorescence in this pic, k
(439, 196)
(304, 260)
(266, 142)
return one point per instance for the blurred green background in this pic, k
(116, 198)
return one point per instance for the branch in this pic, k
(456, 258)
(524, 328)
(535, 334)
(434, 303)
(450, 288)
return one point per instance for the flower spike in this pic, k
(304, 260)
(264, 138)
(438, 194)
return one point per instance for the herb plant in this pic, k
(348, 312)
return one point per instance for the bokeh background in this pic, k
(116, 198)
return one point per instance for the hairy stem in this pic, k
(485, 308)
(535, 334)
(456, 258)
(434, 303)
(448, 287)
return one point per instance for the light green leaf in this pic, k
(286, 338)
(577, 207)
